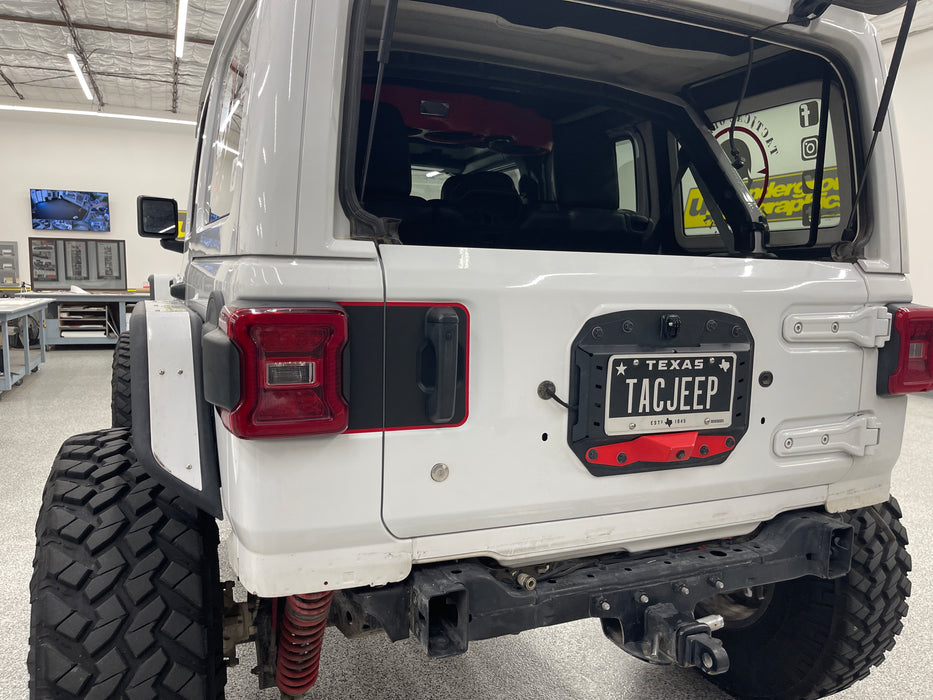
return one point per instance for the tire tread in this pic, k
(125, 591)
(121, 407)
(823, 635)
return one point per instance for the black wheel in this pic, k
(16, 340)
(126, 598)
(121, 408)
(813, 637)
(32, 331)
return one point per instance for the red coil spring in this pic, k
(301, 636)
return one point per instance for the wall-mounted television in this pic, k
(70, 210)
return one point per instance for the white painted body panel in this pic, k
(523, 323)
(262, 219)
(304, 513)
(332, 512)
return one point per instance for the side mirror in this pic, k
(157, 217)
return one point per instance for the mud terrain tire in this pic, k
(120, 407)
(125, 593)
(817, 637)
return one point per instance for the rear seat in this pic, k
(388, 183)
(586, 216)
(484, 209)
(475, 210)
(487, 204)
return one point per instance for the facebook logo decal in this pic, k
(809, 114)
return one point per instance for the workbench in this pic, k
(88, 318)
(10, 310)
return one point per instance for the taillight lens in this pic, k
(290, 371)
(913, 329)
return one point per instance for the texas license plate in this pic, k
(669, 392)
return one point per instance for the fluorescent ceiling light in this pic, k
(77, 69)
(105, 115)
(180, 28)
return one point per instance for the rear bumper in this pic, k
(446, 605)
(275, 562)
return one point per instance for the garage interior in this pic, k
(130, 131)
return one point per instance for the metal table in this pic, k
(11, 309)
(87, 318)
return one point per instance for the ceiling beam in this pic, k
(175, 86)
(99, 28)
(80, 51)
(12, 86)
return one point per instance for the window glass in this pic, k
(779, 148)
(226, 162)
(427, 182)
(625, 165)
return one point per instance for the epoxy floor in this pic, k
(71, 394)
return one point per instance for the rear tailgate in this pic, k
(511, 462)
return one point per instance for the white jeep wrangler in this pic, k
(499, 315)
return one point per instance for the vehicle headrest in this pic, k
(585, 169)
(389, 161)
(459, 187)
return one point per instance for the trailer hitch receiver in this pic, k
(679, 638)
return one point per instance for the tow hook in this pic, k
(679, 638)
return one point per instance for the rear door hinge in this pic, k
(869, 327)
(856, 436)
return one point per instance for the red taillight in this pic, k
(290, 371)
(913, 328)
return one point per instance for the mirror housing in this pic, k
(157, 217)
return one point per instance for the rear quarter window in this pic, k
(222, 143)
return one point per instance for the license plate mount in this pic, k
(669, 392)
(694, 375)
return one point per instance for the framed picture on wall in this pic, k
(95, 265)
(108, 260)
(77, 266)
(43, 260)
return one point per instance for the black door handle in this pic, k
(442, 330)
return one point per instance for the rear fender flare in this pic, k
(173, 427)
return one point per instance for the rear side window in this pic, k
(779, 145)
(226, 164)
(625, 166)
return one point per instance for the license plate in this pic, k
(668, 392)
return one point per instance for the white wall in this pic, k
(124, 158)
(913, 113)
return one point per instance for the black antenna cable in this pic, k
(382, 57)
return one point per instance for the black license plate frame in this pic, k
(650, 393)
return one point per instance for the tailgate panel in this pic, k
(510, 462)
